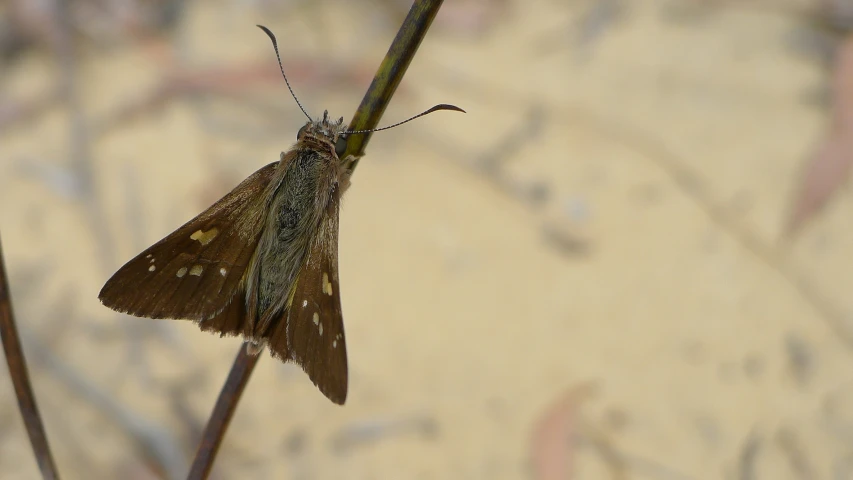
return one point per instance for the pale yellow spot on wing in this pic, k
(149, 255)
(181, 272)
(316, 319)
(152, 268)
(335, 344)
(327, 286)
(196, 270)
(321, 329)
(204, 237)
(222, 271)
(152, 260)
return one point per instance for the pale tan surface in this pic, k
(457, 307)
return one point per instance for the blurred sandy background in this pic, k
(582, 278)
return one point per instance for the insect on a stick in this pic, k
(262, 262)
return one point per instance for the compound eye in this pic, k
(301, 131)
(341, 146)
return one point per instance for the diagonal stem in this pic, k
(390, 73)
(224, 409)
(378, 95)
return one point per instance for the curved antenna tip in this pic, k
(281, 67)
(266, 30)
(441, 106)
(445, 106)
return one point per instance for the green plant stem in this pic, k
(390, 73)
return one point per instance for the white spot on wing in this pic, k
(327, 286)
(316, 319)
(196, 270)
(222, 271)
(149, 255)
(181, 272)
(304, 303)
(334, 344)
(321, 329)
(152, 268)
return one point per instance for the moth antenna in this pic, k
(436, 108)
(278, 56)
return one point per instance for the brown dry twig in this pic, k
(21, 379)
(224, 409)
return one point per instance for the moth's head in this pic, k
(325, 132)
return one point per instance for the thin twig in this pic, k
(389, 75)
(21, 380)
(224, 409)
(375, 100)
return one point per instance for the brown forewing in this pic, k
(195, 272)
(311, 331)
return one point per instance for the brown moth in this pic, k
(262, 262)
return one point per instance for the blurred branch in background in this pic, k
(581, 34)
(688, 180)
(563, 438)
(562, 233)
(61, 26)
(21, 379)
(160, 450)
(828, 169)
